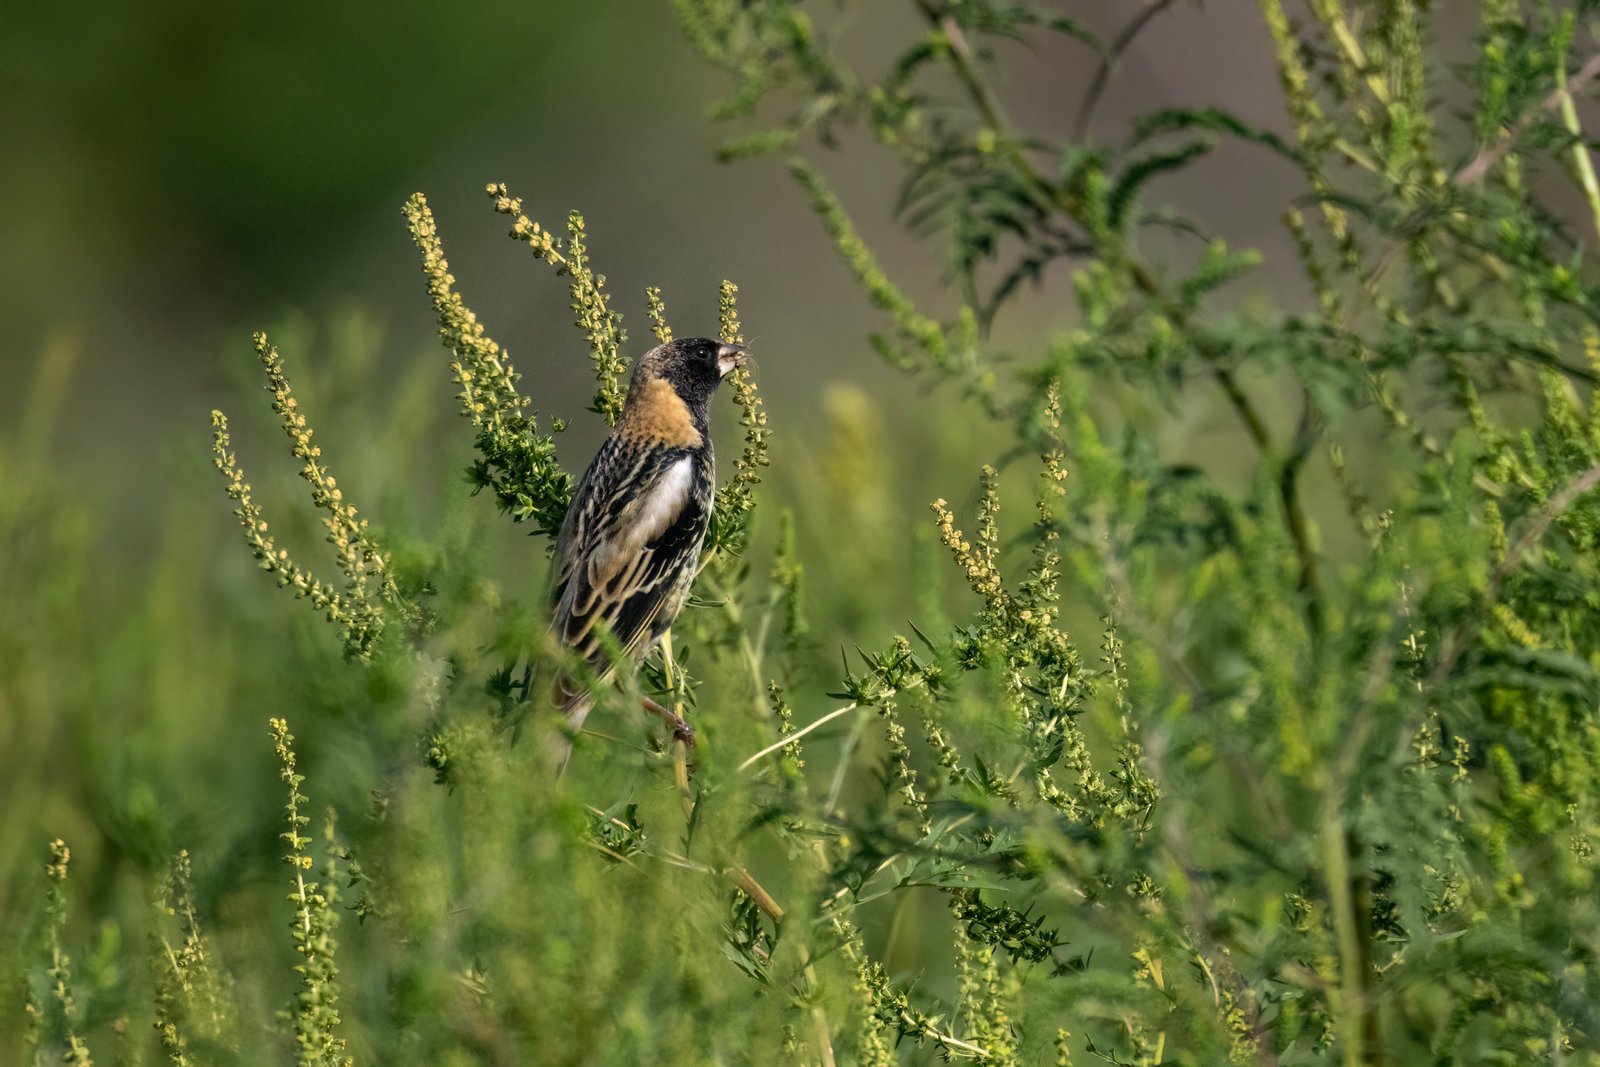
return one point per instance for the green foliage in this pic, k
(1305, 645)
(1275, 746)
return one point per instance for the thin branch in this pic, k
(1479, 166)
(1456, 643)
(1305, 435)
(1108, 65)
(782, 742)
(1557, 506)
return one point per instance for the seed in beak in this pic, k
(729, 357)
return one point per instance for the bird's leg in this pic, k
(680, 729)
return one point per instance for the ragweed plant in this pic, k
(516, 462)
(189, 993)
(369, 595)
(53, 1013)
(736, 496)
(315, 1013)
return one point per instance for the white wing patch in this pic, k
(644, 520)
(661, 507)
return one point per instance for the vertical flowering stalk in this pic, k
(315, 1010)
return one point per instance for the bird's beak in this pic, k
(729, 357)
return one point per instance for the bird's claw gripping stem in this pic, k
(680, 729)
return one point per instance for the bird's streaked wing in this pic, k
(624, 550)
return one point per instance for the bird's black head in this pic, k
(693, 366)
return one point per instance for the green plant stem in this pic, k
(1580, 152)
(1341, 901)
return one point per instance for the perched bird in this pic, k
(630, 545)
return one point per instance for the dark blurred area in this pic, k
(178, 176)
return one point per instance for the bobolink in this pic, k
(630, 545)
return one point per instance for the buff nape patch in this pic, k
(658, 413)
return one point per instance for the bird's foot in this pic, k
(680, 729)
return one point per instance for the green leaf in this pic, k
(1136, 174)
